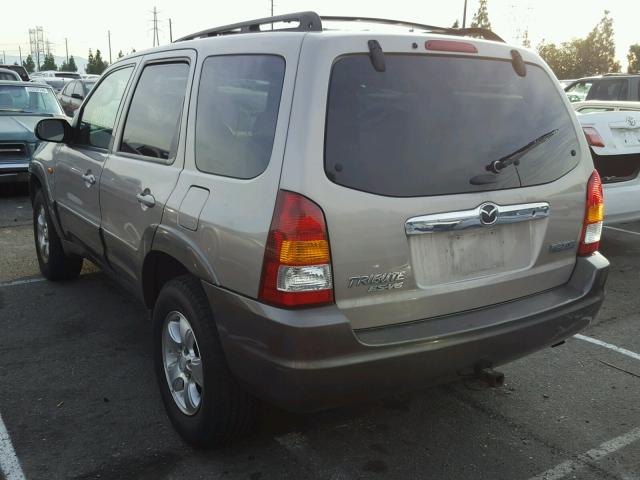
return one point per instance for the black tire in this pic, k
(226, 411)
(56, 265)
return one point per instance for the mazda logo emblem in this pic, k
(488, 214)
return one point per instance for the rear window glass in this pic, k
(609, 89)
(238, 103)
(430, 125)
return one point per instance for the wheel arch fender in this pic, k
(172, 253)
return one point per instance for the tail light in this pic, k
(296, 271)
(594, 215)
(593, 137)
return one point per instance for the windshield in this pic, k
(428, 124)
(28, 99)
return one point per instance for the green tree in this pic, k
(99, 65)
(72, 64)
(69, 67)
(456, 24)
(481, 17)
(28, 64)
(599, 49)
(634, 58)
(91, 62)
(49, 63)
(120, 54)
(581, 57)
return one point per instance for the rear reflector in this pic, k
(450, 46)
(593, 218)
(296, 271)
(593, 137)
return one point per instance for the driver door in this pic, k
(79, 164)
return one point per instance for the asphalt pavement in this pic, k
(79, 399)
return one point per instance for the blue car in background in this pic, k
(22, 106)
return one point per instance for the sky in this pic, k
(85, 24)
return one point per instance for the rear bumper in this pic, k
(621, 201)
(311, 359)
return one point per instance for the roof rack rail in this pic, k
(312, 22)
(620, 74)
(479, 32)
(307, 22)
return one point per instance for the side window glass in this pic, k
(152, 127)
(238, 103)
(78, 89)
(68, 89)
(99, 114)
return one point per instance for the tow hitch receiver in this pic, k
(490, 376)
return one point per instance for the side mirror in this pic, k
(53, 130)
(77, 96)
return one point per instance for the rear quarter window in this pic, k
(429, 124)
(238, 104)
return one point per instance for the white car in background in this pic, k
(613, 133)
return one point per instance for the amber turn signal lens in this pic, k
(310, 252)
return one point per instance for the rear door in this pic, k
(420, 224)
(147, 158)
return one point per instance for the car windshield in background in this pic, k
(429, 124)
(28, 99)
(578, 92)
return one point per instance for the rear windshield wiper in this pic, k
(497, 165)
(514, 157)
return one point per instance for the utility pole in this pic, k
(170, 32)
(271, 12)
(464, 15)
(4, 59)
(109, 36)
(66, 50)
(20, 53)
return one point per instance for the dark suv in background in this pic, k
(612, 86)
(20, 70)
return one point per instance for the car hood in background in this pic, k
(19, 128)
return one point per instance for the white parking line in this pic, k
(22, 282)
(623, 351)
(9, 463)
(607, 448)
(621, 230)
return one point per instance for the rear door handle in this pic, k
(89, 178)
(146, 199)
